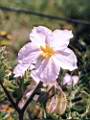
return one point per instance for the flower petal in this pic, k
(27, 55)
(26, 51)
(75, 79)
(47, 72)
(70, 80)
(20, 70)
(61, 39)
(39, 34)
(67, 60)
(67, 80)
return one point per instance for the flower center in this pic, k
(47, 52)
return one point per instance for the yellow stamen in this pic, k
(47, 52)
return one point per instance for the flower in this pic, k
(70, 80)
(47, 51)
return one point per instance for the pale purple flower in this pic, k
(70, 80)
(48, 51)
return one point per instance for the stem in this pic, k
(21, 111)
(9, 97)
(32, 95)
(21, 115)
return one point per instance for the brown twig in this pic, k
(21, 111)
(32, 95)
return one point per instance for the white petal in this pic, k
(27, 55)
(61, 39)
(67, 60)
(26, 50)
(39, 35)
(70, 80)
(75, 79)
(47, 72)
(20, 70)
(67, 80)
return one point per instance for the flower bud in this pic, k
(57, 104)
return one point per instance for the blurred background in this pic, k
(74, 15)
(19, 24)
